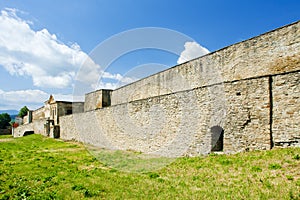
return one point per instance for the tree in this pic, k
(23, 111)
(4, 120)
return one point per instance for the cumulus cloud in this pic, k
(33, 99)
(191, 50)
(32, 96)
(41, 56)
(17, 99)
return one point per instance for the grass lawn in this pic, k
(35, 167)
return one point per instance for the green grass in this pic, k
(129, 161)
(35, 167)
(5, 136)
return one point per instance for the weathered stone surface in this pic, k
(45, 120)
(37, 126)
(179, 124)
(286, 108)
(97, 99)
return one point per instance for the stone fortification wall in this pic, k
(249, 92)
(286, 109)
(37, 126)
(39, 113)
(67, 108)
(180, 123)
(97, 99)
(68, 129)
(274, 52)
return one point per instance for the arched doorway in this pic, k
(217, 137)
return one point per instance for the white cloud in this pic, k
(191, 50)
(118, 77)
(40, 55)
(17, 99)
(24, 96)
(33, 99)
(49, 62)
(121, 80)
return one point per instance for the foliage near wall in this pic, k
(4, 120)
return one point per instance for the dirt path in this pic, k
(6, 139)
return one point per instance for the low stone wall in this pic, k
(20, 130)
(37, 126)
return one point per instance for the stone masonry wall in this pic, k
(92, 100)
(38, 114)
(68, 129)
(25, 119)
(286, 108)
(250, 90)
(179, 124)
(247, 124)
(97, 99)
(37, 126)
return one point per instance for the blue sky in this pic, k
(43, 43)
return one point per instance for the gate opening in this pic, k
(217, 138)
